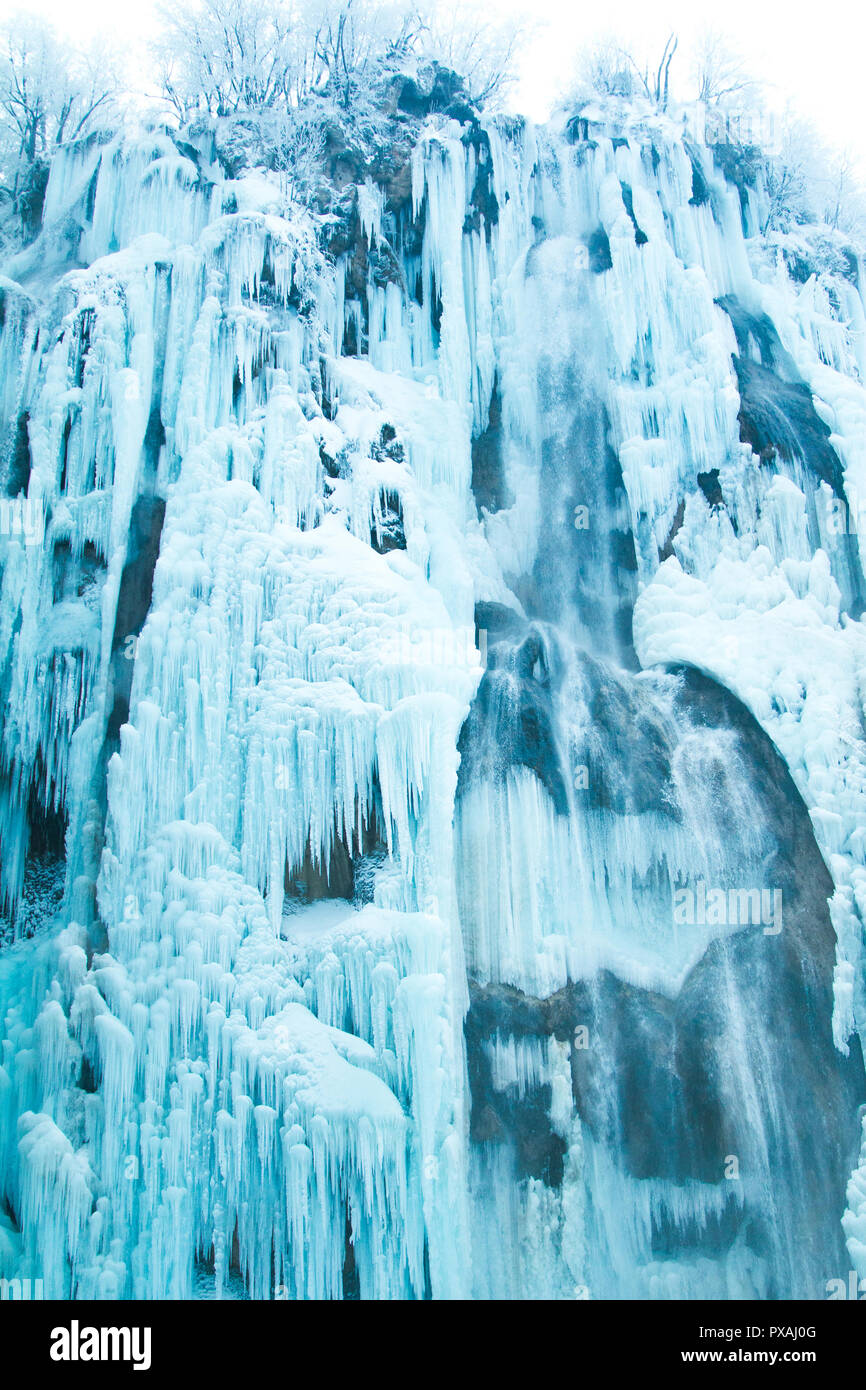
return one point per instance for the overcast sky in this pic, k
(811, 56)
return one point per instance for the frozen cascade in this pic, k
(404, 605)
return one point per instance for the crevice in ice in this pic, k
(34, 851)
(348, 870)
(20, 462)
(87, 1078)
(711, 487)
(598, 250)
(741, 166)
(351, 1281)
(489, 484)
(700, 187)
(73, 576)
(136, 584)
(667, 550)
(640, 236)
(483, 210)
(389, 532)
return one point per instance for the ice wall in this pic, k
(278, 483)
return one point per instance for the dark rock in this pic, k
(598, 246)
(577, 131)
(798, 267)
(711, 488)
(778, 418)
(740, 164)
(627, 198)
(436, 88)
(505, 1116)
(388, 445)
(20, 461)
(136, 583)
(388, 530)
(31, 197)
(656, 1086)
(384, 267)
(237, 144)
(777, 415)
(483, 201)
(511, 720)
(626, 775)
(667, 549)
(488, 469)
(329, 464)
(700, 187)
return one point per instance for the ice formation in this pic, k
(400, 601)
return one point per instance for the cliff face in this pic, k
(432, 716)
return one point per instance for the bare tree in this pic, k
(50, 94)
(718, 71)
(299, 150)
(349, 36)
(607, 69)
(611, 69)
(481, 50)
(222, 56)
(788, 173)
(844, 201)
(656, 84)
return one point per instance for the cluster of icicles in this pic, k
(206, 1082)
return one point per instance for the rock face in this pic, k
(432, 747)
(679, 1088)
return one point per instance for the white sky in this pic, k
(811, 56)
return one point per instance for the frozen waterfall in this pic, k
(432, 745)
